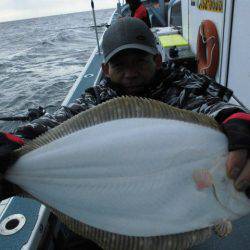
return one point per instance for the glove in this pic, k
(237, 129)
(8, 143)
(31, 131)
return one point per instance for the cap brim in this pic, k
(148, 49)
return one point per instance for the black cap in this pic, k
(128, 33)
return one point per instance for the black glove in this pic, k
(8, 143)
(237, 129)
(31, 131)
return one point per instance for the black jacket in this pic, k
(172, 85)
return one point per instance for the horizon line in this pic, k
(68, 13)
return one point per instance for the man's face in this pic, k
(132, 70)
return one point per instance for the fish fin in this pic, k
(119, 108)
(223, 228)
(203, 179)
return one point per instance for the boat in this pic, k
(26, 224)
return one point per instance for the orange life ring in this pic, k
(208, 49)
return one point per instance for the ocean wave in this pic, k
(41, 59)
(55, 38)
(65, 36)
(47, 43)
(4, 65)
(72, 28)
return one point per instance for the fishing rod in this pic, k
(32, 114)
(97, 39)
(100, 25)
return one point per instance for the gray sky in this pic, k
(22, 9)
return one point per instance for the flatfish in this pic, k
(133, 173)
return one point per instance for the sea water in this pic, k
(41, 58)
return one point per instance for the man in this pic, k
(133, 66)
(139, 11)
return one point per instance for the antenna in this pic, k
(97, 39)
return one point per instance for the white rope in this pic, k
(203, 70)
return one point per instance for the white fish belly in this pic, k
(134, 177)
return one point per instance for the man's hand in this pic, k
(238, 169)
(8, 143)
(237, 129)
